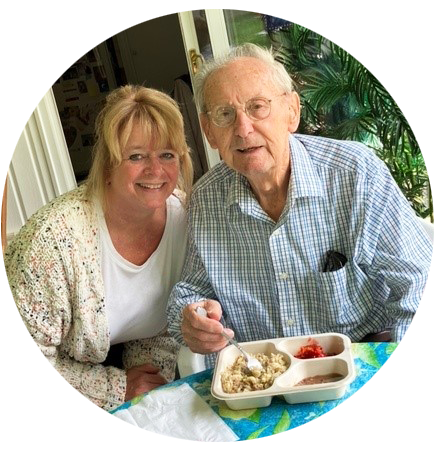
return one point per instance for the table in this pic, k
(280, 416)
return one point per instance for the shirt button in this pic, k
(290, 322)
(276, 233)
(284, 275)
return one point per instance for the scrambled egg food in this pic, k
(238, 378)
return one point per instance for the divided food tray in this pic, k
(339, 360)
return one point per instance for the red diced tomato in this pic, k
(311, 350)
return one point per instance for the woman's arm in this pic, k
(160, 351)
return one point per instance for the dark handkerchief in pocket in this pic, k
(334, 261)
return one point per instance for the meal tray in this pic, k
(341, 362)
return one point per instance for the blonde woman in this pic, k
(94, 268)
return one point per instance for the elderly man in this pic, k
(290, 234)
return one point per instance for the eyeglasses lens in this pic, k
(255, 109)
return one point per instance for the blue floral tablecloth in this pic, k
(279, 415)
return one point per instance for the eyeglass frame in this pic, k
(244, 108)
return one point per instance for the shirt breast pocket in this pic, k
(342, 297)
(330, 289)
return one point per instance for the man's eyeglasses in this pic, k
(257, 109)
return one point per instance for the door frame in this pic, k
(40, 168)
(219, 42)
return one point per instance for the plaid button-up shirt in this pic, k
(268, 276)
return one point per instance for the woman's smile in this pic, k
(151, 186)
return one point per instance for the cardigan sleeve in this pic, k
(161, 351)
(42, 288)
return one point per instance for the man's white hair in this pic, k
(278, 72)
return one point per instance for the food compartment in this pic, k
(228, 355)
(334, 369)
(232, 377)
(329, 344)
(318, 379)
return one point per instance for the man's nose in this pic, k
(243, 124)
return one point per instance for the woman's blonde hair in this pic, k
(160, 117)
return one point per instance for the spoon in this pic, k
(251, 362)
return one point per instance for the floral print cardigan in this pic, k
(53, 268)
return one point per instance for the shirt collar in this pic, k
(241, 193)
(304, 179)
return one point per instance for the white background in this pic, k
(399, 43)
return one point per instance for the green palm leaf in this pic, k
(340, 98)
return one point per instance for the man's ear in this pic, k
(295, 112)
(206, 125)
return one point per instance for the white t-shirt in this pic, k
(136, 296)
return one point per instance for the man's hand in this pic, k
(203, 334)
(140, 379)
